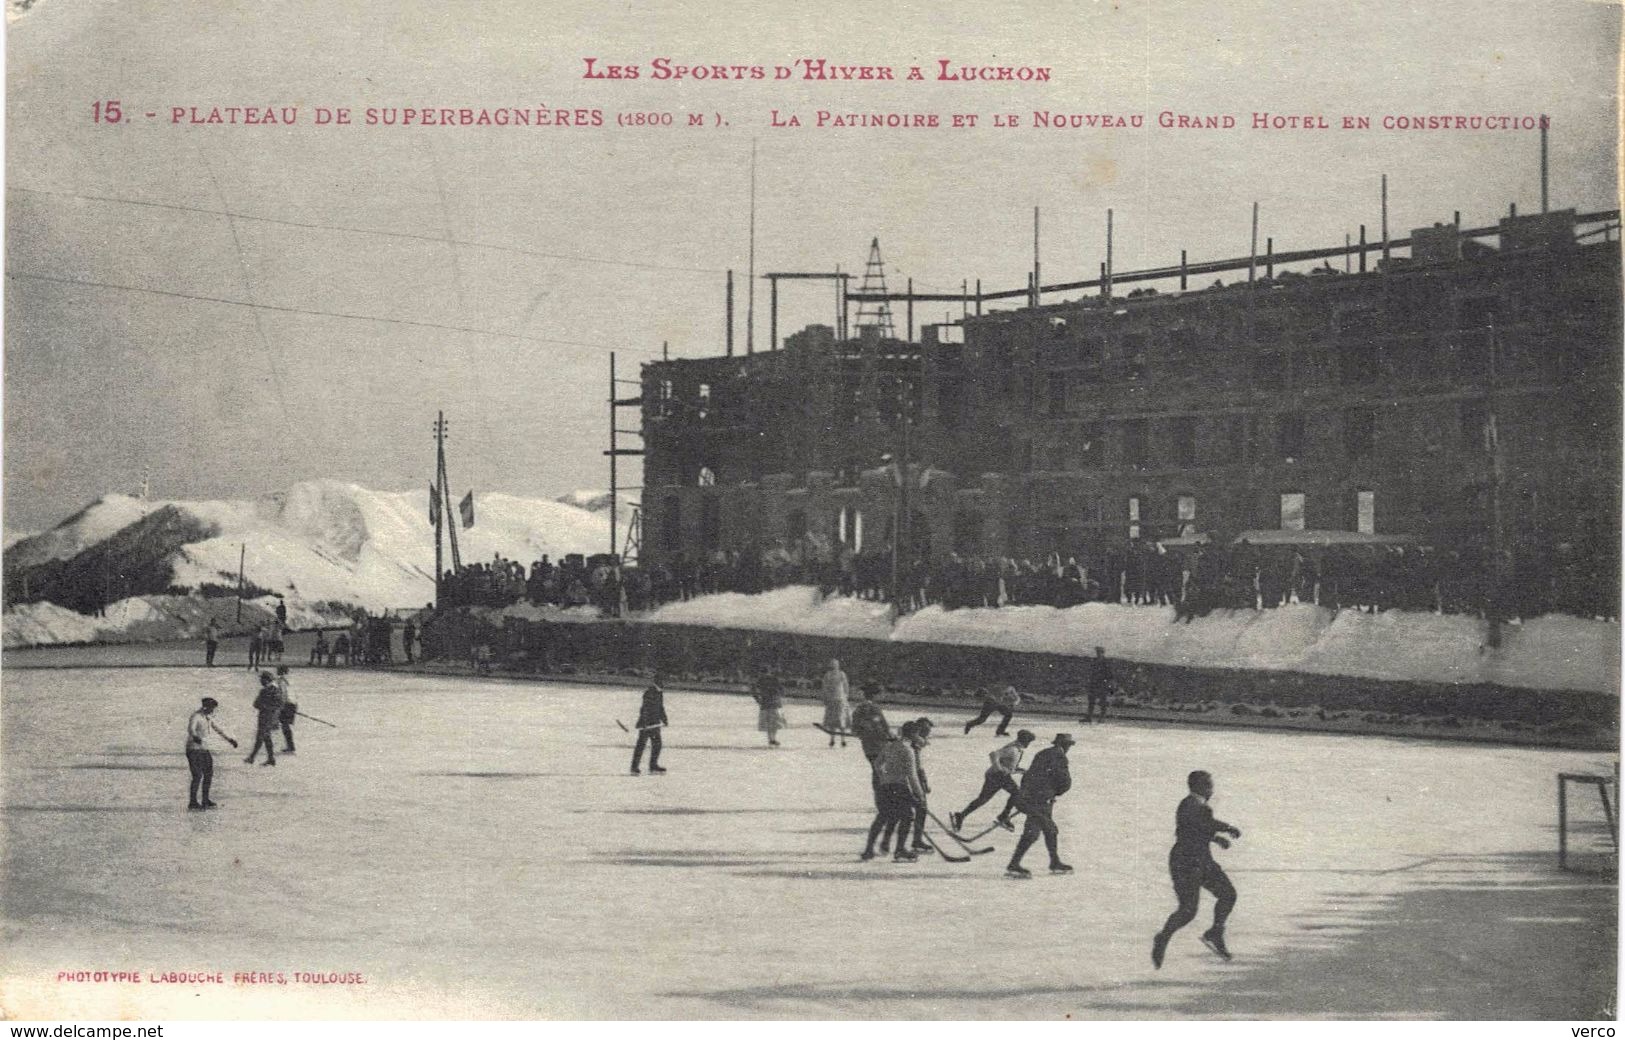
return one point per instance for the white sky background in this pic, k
(103, 384)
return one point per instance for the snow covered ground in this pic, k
(1552, 652)
(477, 850)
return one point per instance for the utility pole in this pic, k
(242, 560)
(1492, 444)
(439, 504)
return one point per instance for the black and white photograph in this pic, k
(1043, 512)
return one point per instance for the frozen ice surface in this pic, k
(479, 849)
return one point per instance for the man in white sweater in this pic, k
(1000, 776)
(201, 730)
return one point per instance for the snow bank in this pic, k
(149, 619)
(1553, 652)
(796, 608)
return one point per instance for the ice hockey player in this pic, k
(837, 711)
(869, 724)
(268, 703)
(199, 756)
(289, 710)
(1004, 703)
(897, 792)
(1046, 780)
(1192, 868)
(1000, 776)
(651, 716)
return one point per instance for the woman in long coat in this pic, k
(837, 709)
(769, 696)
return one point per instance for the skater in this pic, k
(318, 653)
(268, 704)
(211, 642)
(837, 712)
(922, 737)
(199, 756)
(869, 723)
(897, 792)
(1004, 704)
(1101, 685)
(1000, 776)
(1191, 867)
(1047, 779)
(408, 633)
(769, 697)
(256, 647)
(651, 716)
(289, 710)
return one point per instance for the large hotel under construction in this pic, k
(1461, 391)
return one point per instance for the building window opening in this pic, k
(1365, 512)
(849, 527)
(708, 477)
(1292, 510)
(705, 400)
(1184, 438)
(1133, 517)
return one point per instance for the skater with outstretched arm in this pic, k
(201, 729)
(1047, 779)
(1191, 867)
(837, 711)
(1000, 776)
(651, 716)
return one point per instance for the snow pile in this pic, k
(796, 608)
(152, 618)
(1553, 652)
(318, 541)
(90, 526)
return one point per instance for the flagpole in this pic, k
(438, 510)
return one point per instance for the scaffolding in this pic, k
(874, 310)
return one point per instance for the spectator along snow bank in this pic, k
(1553, 652)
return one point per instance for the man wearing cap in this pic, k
(1000, 776)
(1046, 780)
(201, 730)
(1004, 703)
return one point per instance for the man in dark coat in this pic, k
(1192, 867)
(651, 716)
(1046, 780)
(1100, 684)
(869, 723)
(268, 705)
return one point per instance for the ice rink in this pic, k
(478, 849)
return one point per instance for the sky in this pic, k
(231, 309)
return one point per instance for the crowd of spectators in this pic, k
(1192, 577)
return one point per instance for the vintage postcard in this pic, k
(809, 511)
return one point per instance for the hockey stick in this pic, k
(657, 725)
(944, 853)
(313, 718)
(962, 842)
(834, 732)
(979, 835)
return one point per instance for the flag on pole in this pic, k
(466, 509)
(434, 506)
